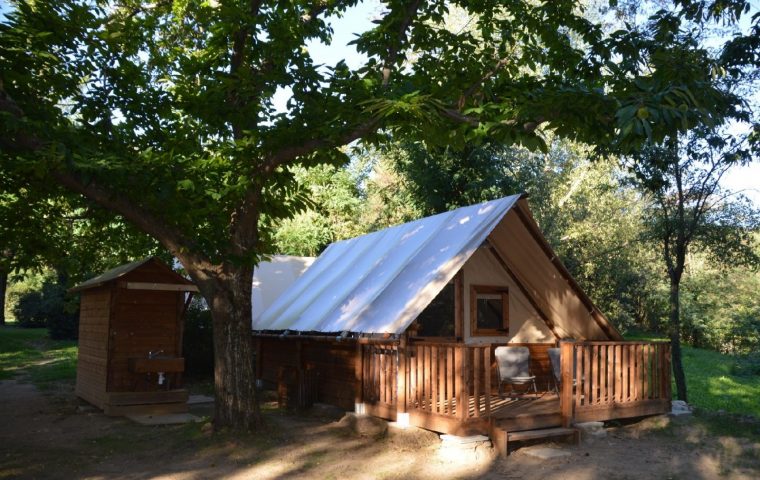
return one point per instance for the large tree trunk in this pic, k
(3, 288)
(675, 338)
(236, 404)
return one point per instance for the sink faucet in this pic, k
(154, 353)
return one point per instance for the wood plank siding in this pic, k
(453, 387)
(118, 324)
(92, 364)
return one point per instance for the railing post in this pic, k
(359, 379)
(461, 367)
(567, 356)
(401, 380)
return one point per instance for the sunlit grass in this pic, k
(710, 381)
(29, 351)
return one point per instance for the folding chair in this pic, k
(514, 368)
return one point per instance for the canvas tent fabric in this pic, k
(380, 282)
(271, 278)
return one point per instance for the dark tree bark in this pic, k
(675, 338)
(236, 402)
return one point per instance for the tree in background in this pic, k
(163, 113)
(589, 216)
(691, 212)
(48, 232)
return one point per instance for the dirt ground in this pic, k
(53, 435)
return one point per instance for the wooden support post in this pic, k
(566, 375)
(460, 369)
(499, 438)
(487, 379)
(459, 305)
(476, 378)
(434, 374)
(401, 378)
(358, 377)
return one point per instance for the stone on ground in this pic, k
(591, 430)
(473, 448)
(679, 407)
(545, 453)
(365, 425)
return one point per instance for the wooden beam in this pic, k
(459, 305)
(168, 287)
(549, 322)
(566, 383)
(401, 377)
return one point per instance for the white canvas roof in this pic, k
(272, 278)
(380, 282)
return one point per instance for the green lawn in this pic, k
(30, 352)
(711, 383)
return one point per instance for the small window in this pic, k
(489, 310)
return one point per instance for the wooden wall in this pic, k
(333, 361)
(92, 359)
(142, 321)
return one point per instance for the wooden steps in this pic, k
(501, 438)
(543, 433)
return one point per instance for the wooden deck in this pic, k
(600, 381)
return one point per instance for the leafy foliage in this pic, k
(46, 305)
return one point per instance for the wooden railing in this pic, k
(449, 379)
(607, 380)
(380, 371)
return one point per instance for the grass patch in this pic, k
(712, 382)
(30, 352)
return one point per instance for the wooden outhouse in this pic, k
(130, 339)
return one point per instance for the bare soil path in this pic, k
(50, 436)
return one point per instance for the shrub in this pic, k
(198, 341)
(47, 307)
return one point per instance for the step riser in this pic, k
(530, 423)
(501, 439)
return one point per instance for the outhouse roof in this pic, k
(121, 270)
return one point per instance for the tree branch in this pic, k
(290, 153)
(177, 244)
(390, 60)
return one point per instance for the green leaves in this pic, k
(177, 107)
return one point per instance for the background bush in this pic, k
(43, 303)
(198, 341)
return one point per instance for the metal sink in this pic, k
(157, 363)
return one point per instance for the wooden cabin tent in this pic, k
(130, 339)
(404, 321)
(381, 282)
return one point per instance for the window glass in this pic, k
(490, 312)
